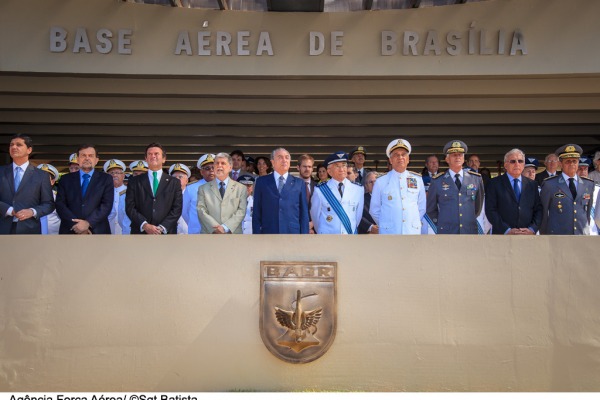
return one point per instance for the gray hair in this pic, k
(514, 151)
(548, 156)
(276, 150)
(370, 172)
(226, 156)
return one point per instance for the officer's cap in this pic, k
(246, 179)
(585, 161)
(205, 159)
(569, 151)
(532, 162)
(358, 150)
(398, 144)
(139, 165)
(338, 156)
(49, 169)
(455, 146)
(249, 160)
(181, 168)
(73, 159)
(114, 163)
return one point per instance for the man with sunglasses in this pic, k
(567, 199)
(512, 201)
(206, 165)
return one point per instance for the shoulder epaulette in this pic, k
(357, 184)
(122, 192)
(321, 183)
(588, 179)
(437, 175)
(415, 173)
(473, 173)
(550, 177)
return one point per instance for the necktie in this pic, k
(234, 175)
(359, 176)
(572, 188)
(84, 185)
(222, 189)
(154, 183)
(517, 189)
(280, 184)
(17, 178)
(457, 181)
(341, 189)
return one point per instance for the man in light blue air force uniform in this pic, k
(567, 199)
(398, 200)
(455, 197)
(337, 205)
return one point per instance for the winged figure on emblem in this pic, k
(301, 325)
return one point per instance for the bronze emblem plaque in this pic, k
(298, 310)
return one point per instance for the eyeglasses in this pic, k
(208, 168)
(115, 173)
(516, 161)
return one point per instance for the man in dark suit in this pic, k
(358, 156)
(85, 198)
(367, 223)
(512, 201)
(551, 163)
(25, 191)
(280, 203)
(154, 200)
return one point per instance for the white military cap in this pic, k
(205, 159)
(49, 169)
(114, 163)
(138, 165)
(398, 144)
(181, 168)
(73, 159)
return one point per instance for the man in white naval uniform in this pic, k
(116, 169)
(398, 200)
(137, 167)
(206, 165)
(337, 205)
(183, 173)
(51, 222)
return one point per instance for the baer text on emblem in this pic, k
(298, 310)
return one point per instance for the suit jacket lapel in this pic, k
(93, 182)
(162, 184)
(10, 177)
(510, 189)
(146, 184)
(215, 189)
(26, 176)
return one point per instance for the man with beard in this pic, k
(206, 165)
(85, 198)
(222, 202)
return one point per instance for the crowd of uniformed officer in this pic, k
(399, 201)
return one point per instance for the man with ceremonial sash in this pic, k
(337, 205)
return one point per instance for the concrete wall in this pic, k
(555, 44)
(414, 313)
